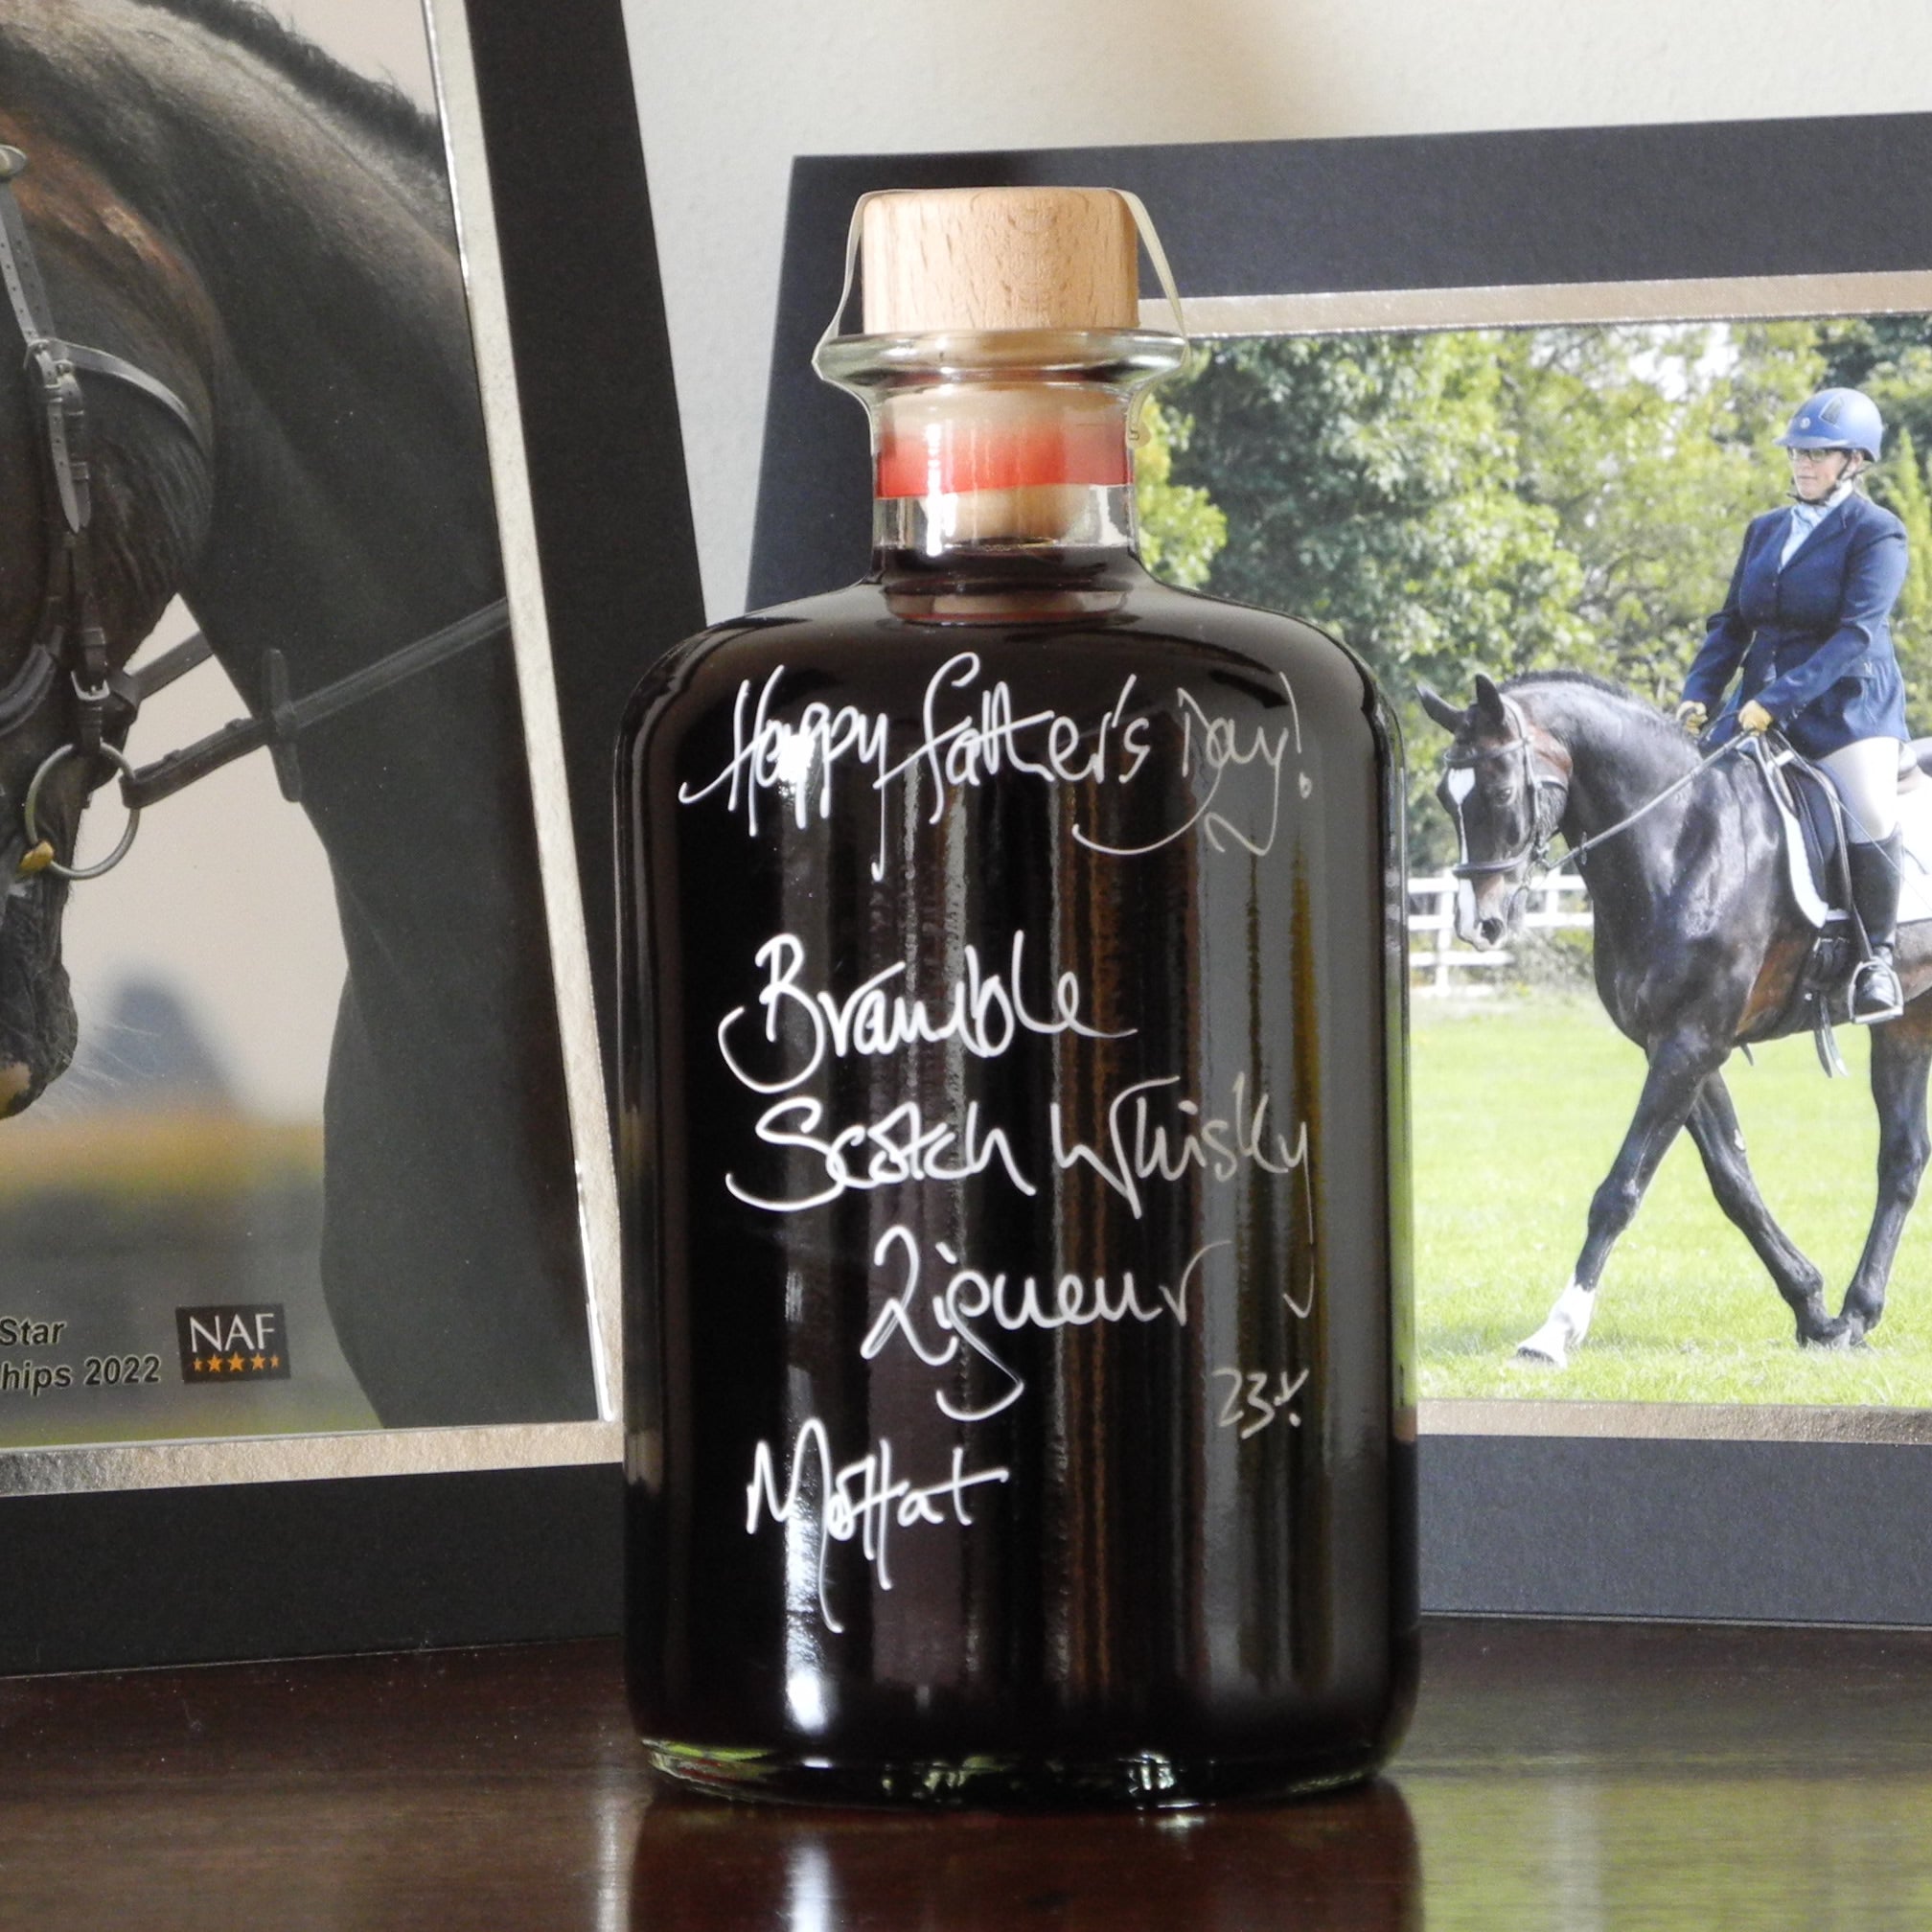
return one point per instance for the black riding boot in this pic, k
(1875, 992)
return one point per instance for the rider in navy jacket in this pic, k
(1808, 620)
(1814, 634)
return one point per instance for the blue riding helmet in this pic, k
(1837, 419)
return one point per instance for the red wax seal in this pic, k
(953, 457)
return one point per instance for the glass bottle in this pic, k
(1014, 1154)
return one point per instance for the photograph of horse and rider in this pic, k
(297, 1049)
(1654, 603)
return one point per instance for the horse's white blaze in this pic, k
(1459, 784)
(1568, 1324)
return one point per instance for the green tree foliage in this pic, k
(1900, 485)
(1649, 445)
(1890, 357)
(1182, 528)
(1370, 485)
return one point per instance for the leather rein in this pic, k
(67, 662)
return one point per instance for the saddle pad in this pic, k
(1808, 808)
(1915, 820)
(1808, 813)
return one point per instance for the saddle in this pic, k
(1814, 844)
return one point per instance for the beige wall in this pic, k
(383, 38)
(730, 92)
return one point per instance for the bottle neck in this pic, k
(1004, 472)
(1001, 469)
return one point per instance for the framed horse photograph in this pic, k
(1615, 472)
(342, 506)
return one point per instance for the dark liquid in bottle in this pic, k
(1011, 1121)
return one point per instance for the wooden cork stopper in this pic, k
(948, 258)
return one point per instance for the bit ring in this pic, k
(125, 765)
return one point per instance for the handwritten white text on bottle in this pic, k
(973, 1304)
(985, 1014)
(770, 753)
(865, 1498)
(1257, 1399)
(1138, 1147)
(800, 758)
(1221, 750)
(898, 1148)
(1143, 1142)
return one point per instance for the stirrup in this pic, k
(1876, 979)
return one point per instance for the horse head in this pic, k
(1504, 781)
(104, 494)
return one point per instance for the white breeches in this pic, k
(1866, 775)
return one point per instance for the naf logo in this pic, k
(232, 1344)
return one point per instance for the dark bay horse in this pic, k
(1697, 946)
(214, 200)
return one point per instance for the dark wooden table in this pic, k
(1566, 1776)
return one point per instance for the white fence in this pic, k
(1435, 956)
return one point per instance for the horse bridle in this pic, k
(1543, 827)
(1537, 786)
(69, 639)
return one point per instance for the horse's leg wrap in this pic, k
(1568, 1324)
(1678, 1066)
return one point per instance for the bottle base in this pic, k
(1145, 1781)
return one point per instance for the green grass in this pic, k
(1519, 1108)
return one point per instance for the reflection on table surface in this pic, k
(1581, 1777)
(1345, 1861)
